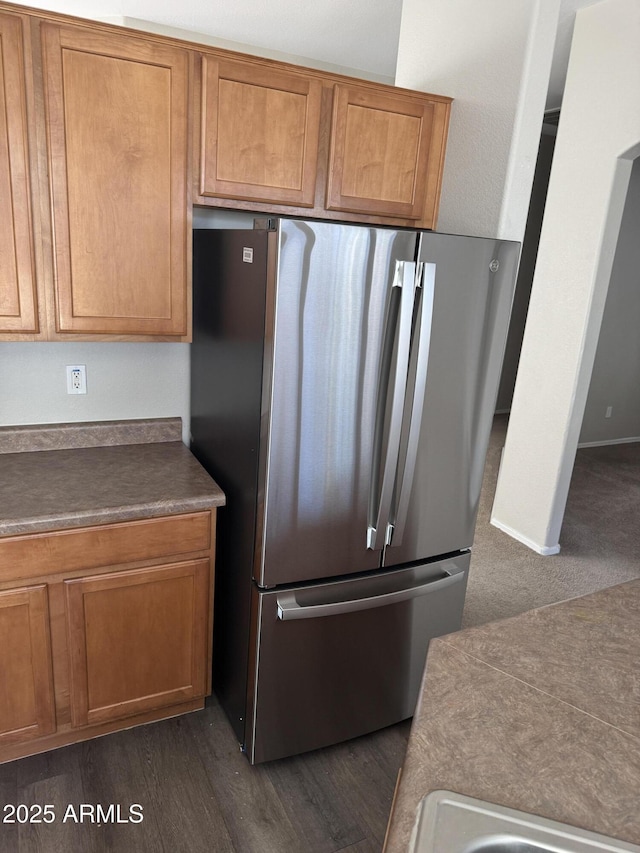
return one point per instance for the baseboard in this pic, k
(608, 441)
(543, 550)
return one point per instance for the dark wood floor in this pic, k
(199, 793)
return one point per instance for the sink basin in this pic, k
(509, 845)
(452, 823)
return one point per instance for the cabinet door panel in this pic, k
(138, 640)
(117, 133)
(26, 698)
(259, 133)
(380, 152)
(17, 273)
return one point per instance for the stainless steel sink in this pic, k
(451, 823)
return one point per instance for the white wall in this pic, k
(124, 380)
(494, 59)
(615, 379)
(598, 137)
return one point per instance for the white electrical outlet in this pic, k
(609, 412)
(76, 379)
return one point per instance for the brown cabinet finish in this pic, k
(97, 155)
(26, 698)
(310, 143)
(103, 628)
(116, 119)
(137, 640)
(386, 154)
(103, 545)
(259, 132)
(18, 310)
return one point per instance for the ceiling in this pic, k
(358, 36)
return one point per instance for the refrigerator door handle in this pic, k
(289, 608)
(425, 280)
(405, 277)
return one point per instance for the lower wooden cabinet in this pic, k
(87, 652)
(137, 640)
(26, 696)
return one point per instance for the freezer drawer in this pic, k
(340, 659)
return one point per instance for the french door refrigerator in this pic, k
(343, 384)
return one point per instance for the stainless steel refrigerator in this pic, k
(343, 385)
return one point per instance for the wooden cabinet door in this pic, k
(17, 273)
(138, 640)
(259, 134)
(27, 706)
(381, 150)
(116, 111)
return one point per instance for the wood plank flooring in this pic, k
(199, 793)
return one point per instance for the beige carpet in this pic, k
(600, 538)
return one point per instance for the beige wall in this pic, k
(123, 381)
(615, 379)
(598, 137)
(494, 59)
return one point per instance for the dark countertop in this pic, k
(539, 713)
(141, 470)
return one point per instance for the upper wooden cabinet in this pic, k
(116, 121)
(99, 166)
(18, 310)
(310, 143)
(259, 133)
(386, 153)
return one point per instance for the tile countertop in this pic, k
(69, 475)
(539, 713)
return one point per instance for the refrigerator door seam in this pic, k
(266, 409)
(249, 744)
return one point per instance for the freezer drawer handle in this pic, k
(288, 607)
